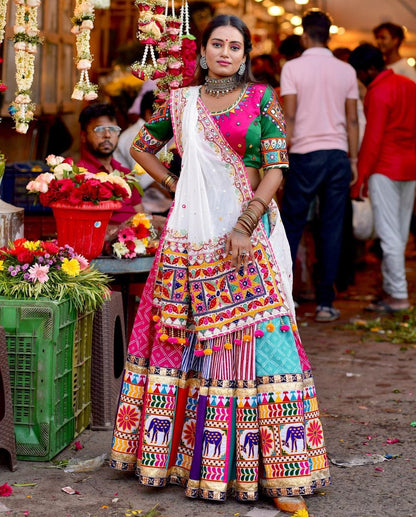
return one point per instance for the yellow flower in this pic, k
(140, 218)
(102, 176)
(301, 513)
(1, 265)
(32, 245)
(71, 267)
(138, 169)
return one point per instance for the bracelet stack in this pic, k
(169, 181)
(249, 219)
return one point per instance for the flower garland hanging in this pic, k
(171, 65)
(150, 27)
(83, 23)
(188, 48)
(3, 17)
(26, 39)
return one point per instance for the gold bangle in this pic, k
(261, 201)
(168, 181)
(239, 230)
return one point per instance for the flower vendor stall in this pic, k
(48, 295)
(82, 202)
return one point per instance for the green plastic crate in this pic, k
(82, 371)
(40, 339)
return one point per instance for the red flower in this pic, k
(119, 191)
(50, 247)
(127, 418)
(141, 231)
(266, 440)
(78, 446)
(5, 490)
(130, 245)
(189, 434)
(75, 197)
(25, 257)
(314, 434)
(105, 191)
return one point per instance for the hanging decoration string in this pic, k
(3, 18)
(188, 47)
(26, 40)
(163, 58)
(82, 24)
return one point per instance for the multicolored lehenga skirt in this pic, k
(240, 419)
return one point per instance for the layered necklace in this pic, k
(218, 87)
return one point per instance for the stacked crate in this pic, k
(49, 355)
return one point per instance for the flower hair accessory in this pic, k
(67, 182)
(138, 237)
(33, 269)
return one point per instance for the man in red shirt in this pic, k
(387, 164)
(99, 138)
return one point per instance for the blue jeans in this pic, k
(326, 174)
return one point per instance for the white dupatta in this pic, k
(212, 192)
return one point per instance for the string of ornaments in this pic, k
(169, 56)
(3, 18)
(82, 24)
(26, 40)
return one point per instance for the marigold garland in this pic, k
(26, 39)
(82, 24)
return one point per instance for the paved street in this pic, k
(366, 389)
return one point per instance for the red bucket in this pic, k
(83, 226)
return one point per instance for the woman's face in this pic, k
(224, 52)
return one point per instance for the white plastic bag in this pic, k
(363, 219)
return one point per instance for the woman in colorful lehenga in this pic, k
(218, 394)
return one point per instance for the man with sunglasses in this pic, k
(99, 138)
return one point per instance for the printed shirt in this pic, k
(254, 127)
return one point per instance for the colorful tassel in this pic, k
(270, 327)
(258, 333)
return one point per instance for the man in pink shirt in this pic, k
(387, 162)
(319, 95)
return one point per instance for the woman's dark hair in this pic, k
(366, 56)
(98, 109)
(223, 20)
(316, 24)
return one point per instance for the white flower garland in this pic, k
(26, 39)
(3, 17)
(83, 22)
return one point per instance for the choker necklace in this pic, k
(217, 87)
